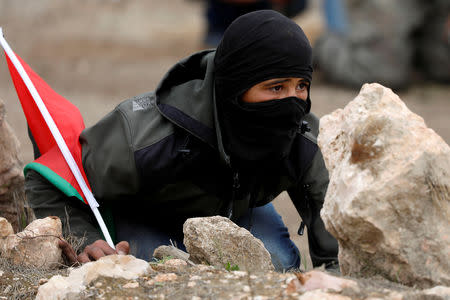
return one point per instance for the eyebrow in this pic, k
(275, 81)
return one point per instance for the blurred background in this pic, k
(97, 53)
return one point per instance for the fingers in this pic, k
(95, 251)
(123, 248)
(68, 251)
(100, 248)
(104, 247)
(83, 257)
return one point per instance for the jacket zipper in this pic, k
(306, 188)
(236, 186)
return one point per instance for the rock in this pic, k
(218, 241)
(438, 292)
(320, 285)
(131, 285)
(165, 277)
(116, 266)
(203, 269)
(319, 280)
(170, 251)
(171, 265)
(5, 227)
(388, 200)
(36, 245)
(12, 197)
(323, 295)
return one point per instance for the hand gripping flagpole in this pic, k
(58, 138)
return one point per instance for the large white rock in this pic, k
(36, 245)
(116, 266)
(388, 200)
(218, 241)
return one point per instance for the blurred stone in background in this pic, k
(12, 197)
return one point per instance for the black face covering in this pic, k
(262, 131)
(259, 46)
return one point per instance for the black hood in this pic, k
(259, 46)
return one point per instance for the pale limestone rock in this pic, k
(191, 284)
(388, 200)
(165, 277)
(150, 282)
(116, 266)
(36, 245)
(131, 285)
(12, 197)
(314, 280)
(318, 280)
(203, 268)
(218, 241)
(5, 227)
(316, 284)
(10, 165)
(176, 263)
(438, 292)
(322, 295)
(171, 265)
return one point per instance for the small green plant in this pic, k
(163, 260)
(230, 267)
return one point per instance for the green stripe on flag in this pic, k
(54, 179)
(70, 191)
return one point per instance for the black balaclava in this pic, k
(259, 46)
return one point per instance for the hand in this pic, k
(93, 251)
(101, 248)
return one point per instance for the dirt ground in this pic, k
(97, 53)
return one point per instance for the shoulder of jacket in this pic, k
(144, 121)
(140, 102)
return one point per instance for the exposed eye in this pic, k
(276, 88)
(302, 86)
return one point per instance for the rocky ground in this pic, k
(171, 279)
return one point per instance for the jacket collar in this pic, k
(186, 97)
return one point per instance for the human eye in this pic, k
(302, 86)
(276, 88)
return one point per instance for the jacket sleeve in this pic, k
(308, 197)
(46, 200)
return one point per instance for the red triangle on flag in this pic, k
(51, 164)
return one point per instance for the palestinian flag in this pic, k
(56, 125)
(51, 164)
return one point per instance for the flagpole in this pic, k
(58, 138)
